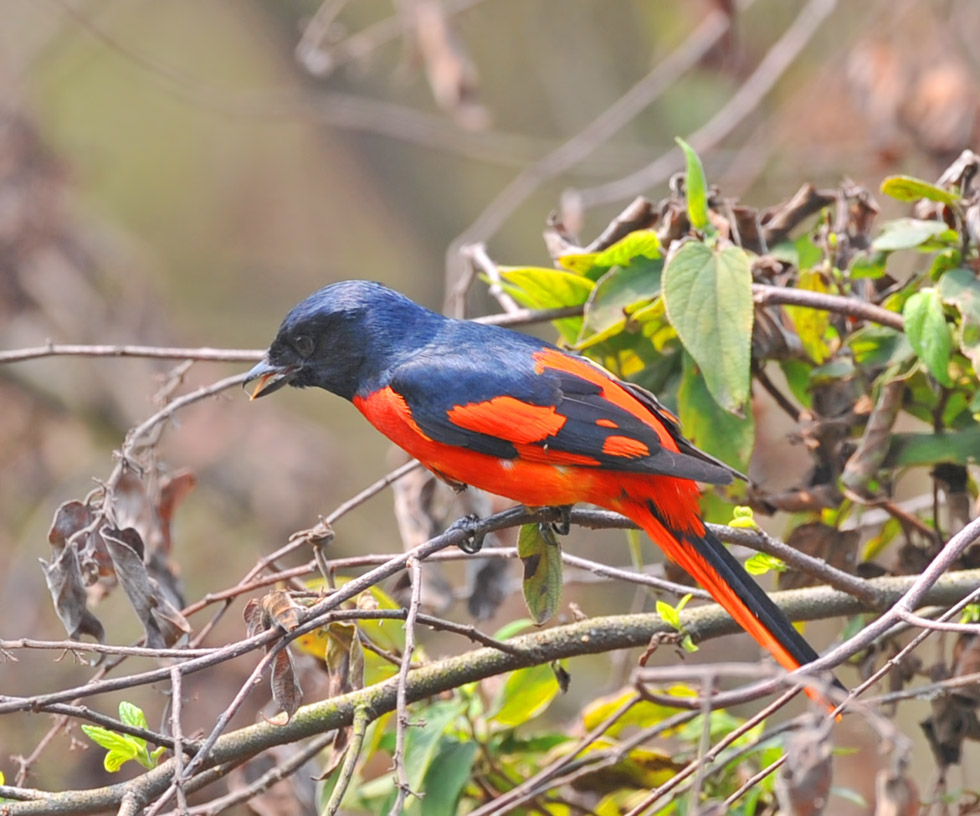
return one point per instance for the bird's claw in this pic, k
(563, 526)
(474, 535)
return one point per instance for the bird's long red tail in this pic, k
(710, 563)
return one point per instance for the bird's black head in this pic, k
(342, 338)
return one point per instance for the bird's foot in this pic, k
(470, 525)
(563, 526)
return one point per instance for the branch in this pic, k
(590, 636)
(850, 307)
(158, 352)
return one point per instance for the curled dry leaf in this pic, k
(286, 691)
(277, 609)
(161, 620)
(63, 575)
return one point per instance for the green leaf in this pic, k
(110, 740)
(867, 265)
(960, 288)
(542, 288)
(447, 777)
(640, 244)
(525, 695)
(132, 715)
(697, 188)
(709, 426)
(797, 374)
(761, 563)
(425, 740)
(120, 748)
(907, 188)
(618, 293)
(743, 518)
(839, 369)
(928, 332)
(970, 614)
(540, 552)
(669, 615)
(908, 233)
(924, 449)
(880, 346)
(708, 296)
(801, 253)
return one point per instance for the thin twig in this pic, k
(176, 705)
(402, 722)
(362, 719)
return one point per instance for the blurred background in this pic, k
(182, 173)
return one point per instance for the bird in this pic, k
(519, 417)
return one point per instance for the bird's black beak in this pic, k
(270, 378)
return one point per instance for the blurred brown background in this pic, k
(182, 173)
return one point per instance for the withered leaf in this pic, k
(71, 518)
(67, 587)
(286, 691)
(162, 622)
(344, 658)
(281, 610)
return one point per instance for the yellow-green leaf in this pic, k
(907, 188)
(542, 288)
(812, 324)
(697, 188)
(540, 553)
(525, 695)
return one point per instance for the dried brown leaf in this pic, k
(67, 587)
(162, 622)
(286, 691)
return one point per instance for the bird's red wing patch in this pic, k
(611, 390)
(624, 446)
(509, 418)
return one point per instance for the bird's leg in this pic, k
(563, 526)
(470, 525)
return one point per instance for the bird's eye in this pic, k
(303, 345)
